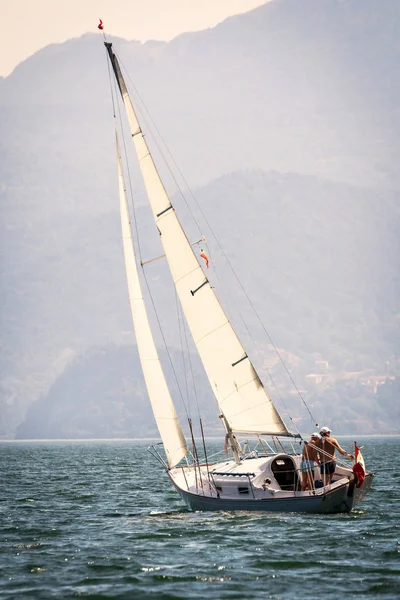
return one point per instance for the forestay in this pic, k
(239, 392)
(161, 401)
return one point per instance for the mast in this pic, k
(160, 398)
(241, 397)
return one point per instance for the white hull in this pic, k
(230, 487)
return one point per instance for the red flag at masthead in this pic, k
(100, 25)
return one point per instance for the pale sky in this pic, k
(28, 25)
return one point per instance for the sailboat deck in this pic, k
(247, 479)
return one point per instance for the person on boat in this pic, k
(328, 445)
(309, 457)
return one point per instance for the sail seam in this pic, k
(211, 332)
(179, 279)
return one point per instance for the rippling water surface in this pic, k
(100, 520)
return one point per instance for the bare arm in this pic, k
(335, 443)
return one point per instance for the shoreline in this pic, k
(158, 440)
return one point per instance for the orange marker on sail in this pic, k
(204, 255)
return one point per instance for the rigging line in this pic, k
(178, 316)
(205, 452)
(165, 342)
(131, 195)
(215, 237)
(145, 278)
(281, 400)
(114, 99)
(178, 186)
(110, 81)
(257, 315)
(262, 325)
(195, 455)
(246, 295)
(191, 369)
(236, 307)
(221, 292)
(150, 260)
(126, 73)
(186, 349)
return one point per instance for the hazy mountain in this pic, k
(309, 89)
(318, 259)
(102, 394)
(296, 85)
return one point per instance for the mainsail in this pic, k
(239, 392)
(161, 401)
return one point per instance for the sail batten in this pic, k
(239, 393)
(163, 408)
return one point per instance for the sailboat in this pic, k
(263, 479)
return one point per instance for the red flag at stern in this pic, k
(359, 467)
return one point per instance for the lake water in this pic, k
(100, 520)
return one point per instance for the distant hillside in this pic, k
(319, 261)
(102, 395)
(284, 119)
(295, 85)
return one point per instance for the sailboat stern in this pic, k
(360, 492)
